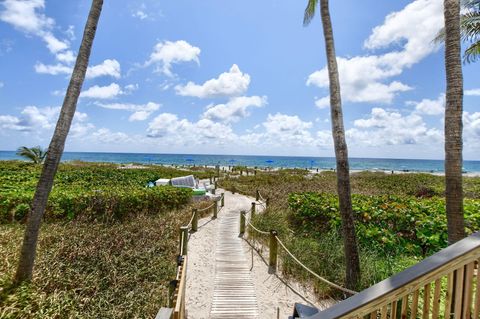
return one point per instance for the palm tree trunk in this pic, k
(453, 123)
(55, 150)
(341, 155)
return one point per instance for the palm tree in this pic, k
(35, 154)
(469, 30)
(57, 144)
(341, 151)
(453, 122)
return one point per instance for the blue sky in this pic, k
(231, 77)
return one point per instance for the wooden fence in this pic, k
(176, 300)
(444, 285)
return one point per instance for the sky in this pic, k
(231, 77)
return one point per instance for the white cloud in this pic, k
(167, 53)
(131, 87)
(471, 129)
(384, 127)
(66, 57)
(281, 130)
(53, 69)
(102, 92)
(231, 83)
(8, 122)
(472, 92)
(140, 111)
(26, 16)
(323, 102)
(366, 78)
(172, 130)
(140, 14)
(105, 136)
(106, 68)
(430, 107)
(235, 109)
(2, 85)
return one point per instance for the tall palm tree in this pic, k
(469, 30)
(341, 151)
(36, 154)
(57, 144)
(453, 122)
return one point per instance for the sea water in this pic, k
(387, 164)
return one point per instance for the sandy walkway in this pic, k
(272, 294)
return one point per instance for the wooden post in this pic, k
(195, 220)
(242, 222)
(252, 210)
(215, 209)
(223, 200)
(212, 191)
(210, 179)
(273, 251)
(233, 189)
(215, 184)
(183, 240)
(267, 202)
(255, 172)
(257, 195)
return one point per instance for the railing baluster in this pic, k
(436, 298)
(373, 314)
(404, 307)
(384, 312)
(426, 301)
(458, 292)
(476, 311)
(448, 296)
(414, 310)
(467, 294)
(393, 310)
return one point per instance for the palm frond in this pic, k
(470, 26)
(472, 53)
(35, 154)
(309, 12)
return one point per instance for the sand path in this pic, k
(206, 262)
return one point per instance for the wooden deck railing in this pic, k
(445, 285)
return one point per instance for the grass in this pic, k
(89, 265)
(94, 270)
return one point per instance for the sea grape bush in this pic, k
(389, 224)
(93, 191)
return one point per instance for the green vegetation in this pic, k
(107, 248)
(92, 191)
(399, 220)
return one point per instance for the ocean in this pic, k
(387, 164)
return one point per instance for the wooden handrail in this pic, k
(179, 295)
(456, 263)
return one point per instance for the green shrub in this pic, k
(388, 224)
(92, 191)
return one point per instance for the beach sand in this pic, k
(272, 294)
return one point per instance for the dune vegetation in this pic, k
(107, 246)
(399, 220)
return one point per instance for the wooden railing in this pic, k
(445, 285)
(176, 299)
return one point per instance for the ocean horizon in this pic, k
(385, 164)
